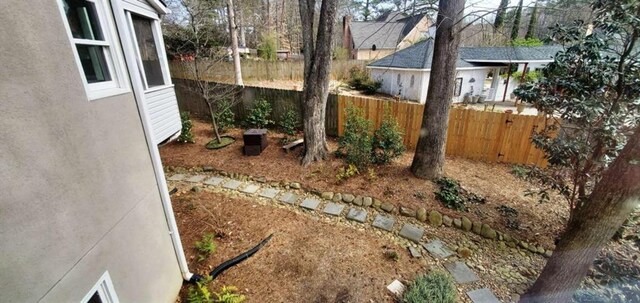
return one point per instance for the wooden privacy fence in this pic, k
(472, 134)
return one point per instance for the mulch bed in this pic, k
(538, 223)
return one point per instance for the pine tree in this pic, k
(531, 30)
(516, 22)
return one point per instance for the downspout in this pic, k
(138, 92)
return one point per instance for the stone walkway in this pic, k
(323, 204)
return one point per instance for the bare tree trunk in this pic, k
(233, 31)
(613, 199)
(428, 161)
(241, 28)
(317, 67)
(214, 124)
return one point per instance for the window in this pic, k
(102, 292)
(458, 87)
(90, 29)
(146, 41)
(413, 79)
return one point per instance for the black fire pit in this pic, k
(255, 141)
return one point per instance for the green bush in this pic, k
(289, 122)
(340, 53)
(449, 194)
(355, 145)
(387, 141)
(267, 49)
(205, 247)
(260, 114)
(346, 173)
(360, 80)
(228, 295)
(200, 293)
(186, 136)
(434, 287)
(224, 116)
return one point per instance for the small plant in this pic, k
(186, 136)
(449, 194)
(259, 115)
(436, 287)
(267, 49)
(359, 79)
(200, 293)
(387, 140)
(520, 171)
(289, 122)
(225, 117)
(391, 255)
(346, 173)
(371, 174)
(355, 145)
(228, 295)
(206, 246)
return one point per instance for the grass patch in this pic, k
(224, 141)
(434, 287)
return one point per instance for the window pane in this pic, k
(148, 51)
(94, 63)
(83, 19)
(95, 298)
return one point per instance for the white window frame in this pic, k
(112, 53)
(159, 42)
(104, 288)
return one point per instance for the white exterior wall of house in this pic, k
(80, 194)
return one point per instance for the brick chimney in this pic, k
(346, 34)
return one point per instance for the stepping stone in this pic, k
(213, 181)
(483, 295)
(196, 178)
(412, 232)
(250, 189)
(383, 222)
(359, 215)
(396, 287)
(415, 252)
(269, 193)
(289, 198)
(176, 177)
(333, 209)
(232, 184)
(461, 272)
(309, 203)
(437, 249)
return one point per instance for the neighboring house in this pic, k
(85, 98)
(368, 40)
(480, 70)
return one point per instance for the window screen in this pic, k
(148, 51)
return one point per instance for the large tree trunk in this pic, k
(233, 31)
(317, 68)
(428, 161)
(593, 225)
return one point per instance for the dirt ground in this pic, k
(539, 223)
(305, 261)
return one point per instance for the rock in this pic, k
(261, 180)
(447, 221)
(524, 245)
(327, 195)
(540, 250)
(466, 224)
(386, 206)
(502, 245)
(507, 237)
(208, 168)
(464, 252)
(377, 203)
(435, 218)
(487, 232)
(511, 244)
(337, 197)
(422, 214)
(548, 253)
(367, 201)
(407, 211)
(295, 185)
(457, 223)
(196, 189)
(358, 201)
(348, 198)
(532, 248)
(476, 228)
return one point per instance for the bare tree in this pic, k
(428, 161)
(317, 68)
(233, 32)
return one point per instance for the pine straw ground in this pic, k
(539, 223)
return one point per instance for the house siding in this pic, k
(79, 191)
(163, 111)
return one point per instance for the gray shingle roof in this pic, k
(383, 34)
(419, 55)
